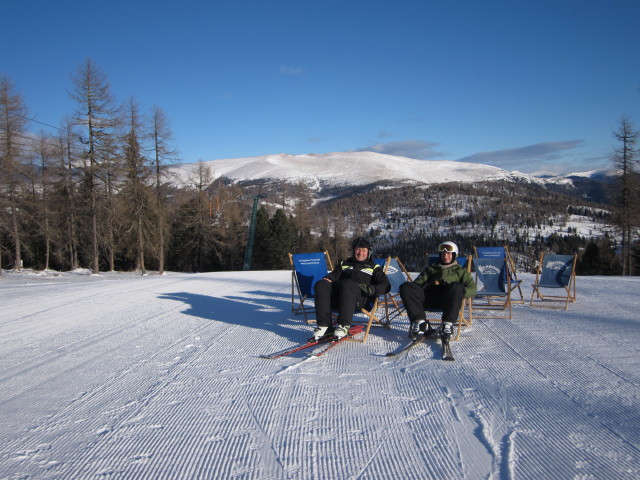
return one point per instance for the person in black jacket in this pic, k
(347, 288)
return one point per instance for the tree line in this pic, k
(98, 194)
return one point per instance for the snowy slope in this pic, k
(127, 377)
(362, 168)
(346, 168)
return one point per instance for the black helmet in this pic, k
(360, 242)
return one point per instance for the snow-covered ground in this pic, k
(160, 377)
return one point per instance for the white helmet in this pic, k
(448, 247)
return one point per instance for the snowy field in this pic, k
(119, 376)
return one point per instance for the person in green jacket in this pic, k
(442, 285)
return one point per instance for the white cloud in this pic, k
(540, 156)
(417, 149)
(287, 70)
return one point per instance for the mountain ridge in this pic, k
(388, 167)
(351, 168)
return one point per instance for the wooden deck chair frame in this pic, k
(370, 320)
(302, 282)
(465, 316)
(397, 275)
(493, 273)
(565, 280)
(488, 252)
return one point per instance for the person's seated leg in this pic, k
(451, 300)
(452, 303)
(322, 293)
(349, 297)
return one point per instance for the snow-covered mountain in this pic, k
(601, 175)
(348, 168)
(343, 173)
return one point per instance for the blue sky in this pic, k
(530, 86)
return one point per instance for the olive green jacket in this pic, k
(448, 274)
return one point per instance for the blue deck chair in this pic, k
(465, 316)
(503, 252)
(557, 272)
(397, 275)
(495, 294)
(382, 261)
(306, 270)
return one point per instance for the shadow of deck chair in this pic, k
(495, 294)
(397, 275)
(503, 252)
(558, 273)
(465, 316)
(306, 270)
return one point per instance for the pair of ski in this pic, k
(324, 344)
(447, 354)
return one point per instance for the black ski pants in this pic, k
(344, 295)
(447, 297)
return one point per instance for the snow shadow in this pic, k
(254, 309)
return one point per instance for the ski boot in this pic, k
(446, 331)
(341, 331)
(318, 333)
(417, 328)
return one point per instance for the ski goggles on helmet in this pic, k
(445, 247)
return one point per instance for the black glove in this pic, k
(368, 290)
(436, 280)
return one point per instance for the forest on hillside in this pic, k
(410, 222)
